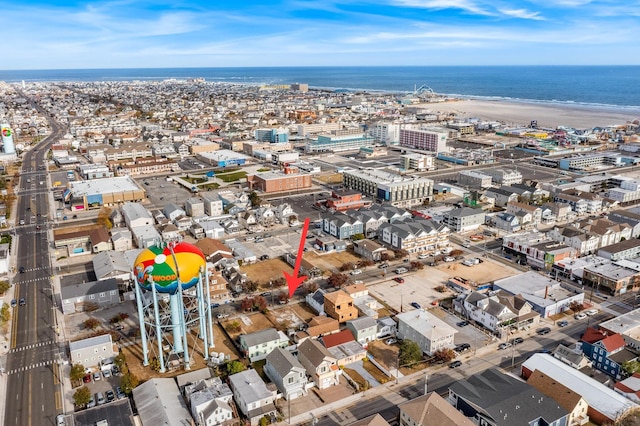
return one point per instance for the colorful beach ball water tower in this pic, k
(173, 298)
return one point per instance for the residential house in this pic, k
(285, 215)
(194, 206)
(341, 226)
(89, 295)
(218, 286)
(170, 232)
(387, 327)
(91, 351)
(159, 402)
(629, 387)
(529, 214)
(571, 356)
(364, 330)
(214, 250)
(605, 405)
(210, 401)
(173, 211)
(583, 241)
(344, 348)
(112, 264)
(465, 219)
(252, 396)
(320, 365)
(369, 249)
(414, 235)
(581, 202)
(560, 211)
(570, 400)
(121, 239)
(427, 330)
(212, 204)
(373, 420)
(501, 196)
(494, 398)
(266, 215)
(366, 305)
(100, 240)
(498, 311)
(183, 223)
(135, 215)
(249, 220)
(317, 326)
(286, 372)
(145, 236)
(315, 301)
(629, 249)
(259, 344)
(631, 218)
(241, 253)
(606, 351)
(609, 232)
(506, 221)
(339, 306)
(431, 409)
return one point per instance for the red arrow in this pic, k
(293, 280)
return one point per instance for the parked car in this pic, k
(118, 327)
(264, 257)
(106, 373)
(449, 259)
(14, 303)
(100, 398)
(391, 341)
(356, 272)
(92, 402)
(504, 345)
(115, 370)
(517, 341)
(462, 323)
(455, 364)
(416, 305)
(383, 265)
(110, 395)
(544, 330)
(563, 323)
(591, 312)
(401, 270)
(461, 347)
(399, 280)
(544, 351)
(60, 420)
(423, 256)
(222, 316)
(580, 316)
(119, 393)
(87, 378)
(96, 376)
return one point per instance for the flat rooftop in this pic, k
(103, 186)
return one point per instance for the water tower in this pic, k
(173, 298)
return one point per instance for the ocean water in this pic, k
(599, 86)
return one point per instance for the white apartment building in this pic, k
(386, 133)
(396, 189)
(414, 161)
(504, 176)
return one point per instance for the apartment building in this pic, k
(393, 188)
(419, 162)
(386, 133)
(464, 219)
(422, 139)
(340, 140)
(414, 235)
(474, 179)
(504, 176)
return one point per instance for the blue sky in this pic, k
(225, 33)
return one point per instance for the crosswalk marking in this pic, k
(31, 346)
(30, 367)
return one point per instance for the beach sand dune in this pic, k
(547, 115)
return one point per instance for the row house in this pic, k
(341, 226)
(608, 231)
(559, 211)
(527, 213)
(580, 202)
(606, 351)
(163, 149)
(630, 217)
(128, 151)
(501, 196)
(414, 235)
(497, 311)
(583, 241)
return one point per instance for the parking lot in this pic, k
(99, 383)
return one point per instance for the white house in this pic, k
(252, 396)
(427, 330)
(90, 352)
(286, 372)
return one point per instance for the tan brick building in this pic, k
(287, 180)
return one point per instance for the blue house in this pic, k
(342, 226)
(606, 351)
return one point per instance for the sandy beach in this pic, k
(547, 115)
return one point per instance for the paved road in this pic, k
(34, 394)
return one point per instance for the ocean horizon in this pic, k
(612, 87)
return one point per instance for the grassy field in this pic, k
(232, 177)
(266, 270)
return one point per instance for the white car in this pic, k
(447, 250)
(449, 259)
(579, 316)
(591, 312)
(423, 256)
(356, 272)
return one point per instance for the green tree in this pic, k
(264, 421)
(5, 314)
(410, 352)
(357, 237)
(82, 396)
(234, 367)
(77, 372)
(631, 367)
(4, 286)
(128, 382)
(255, 199)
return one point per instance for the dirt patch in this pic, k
(303, 311)
(362, 383)
(247, 323)
(375, 372)
(285, 319)
(481, 273)
(266, 270)
(331, 261)
(387, 355)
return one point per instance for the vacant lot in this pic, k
(481, 273)
(247, 323)
(331, 261)
(266, 270)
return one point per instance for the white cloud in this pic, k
(466, 5)
(522, 14)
